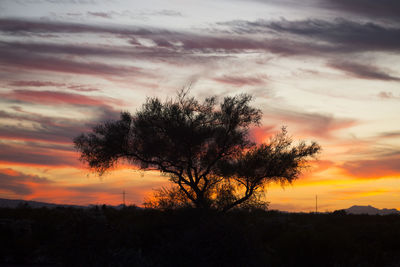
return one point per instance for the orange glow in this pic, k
(262, 134)
(356, 194)
(335, 191)
(10, 172)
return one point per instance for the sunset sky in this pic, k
(327, 69)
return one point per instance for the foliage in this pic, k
(203, 147)
(167, 198)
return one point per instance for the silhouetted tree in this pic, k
(203, 147)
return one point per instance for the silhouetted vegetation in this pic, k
(204, 148)
(104, 236)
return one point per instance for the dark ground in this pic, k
(103, 236)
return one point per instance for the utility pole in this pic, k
(123, 197)
(316, 203)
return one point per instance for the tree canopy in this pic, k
(204, 147)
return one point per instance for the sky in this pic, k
(327, 69)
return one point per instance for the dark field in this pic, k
(103, 236)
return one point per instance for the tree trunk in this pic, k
(202, 202)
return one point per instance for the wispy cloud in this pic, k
(314, 124)
(339, 36)
(362, 71)
(388, 9)
(56, 98)
(11, 154)
(392, 134)
(241, 80)
(385, 9)
(30, 61)
(28, 125)
(388, 95)
(345, 35)
(169, 12)
(19, 183)
(317, 38)
(35, 83)
(373, 168)
(21, 26)
(105, 15)
(70, 86)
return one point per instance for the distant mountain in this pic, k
(13, 203)
(370, 210)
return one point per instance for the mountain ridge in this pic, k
(14, 203)
(370, 210)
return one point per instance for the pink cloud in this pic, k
(18, 183)
(74, 87)
(54, 98)
(14, 57)
(262, 134)
(51, 129)
(373, 168)
(82, 88)
(321, 165)
(25, 155)
(314, 124)
(35, 84)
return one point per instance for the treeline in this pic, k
(104, 236)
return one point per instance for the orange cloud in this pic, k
(377, 168)
(321, 165)
(13, 182)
